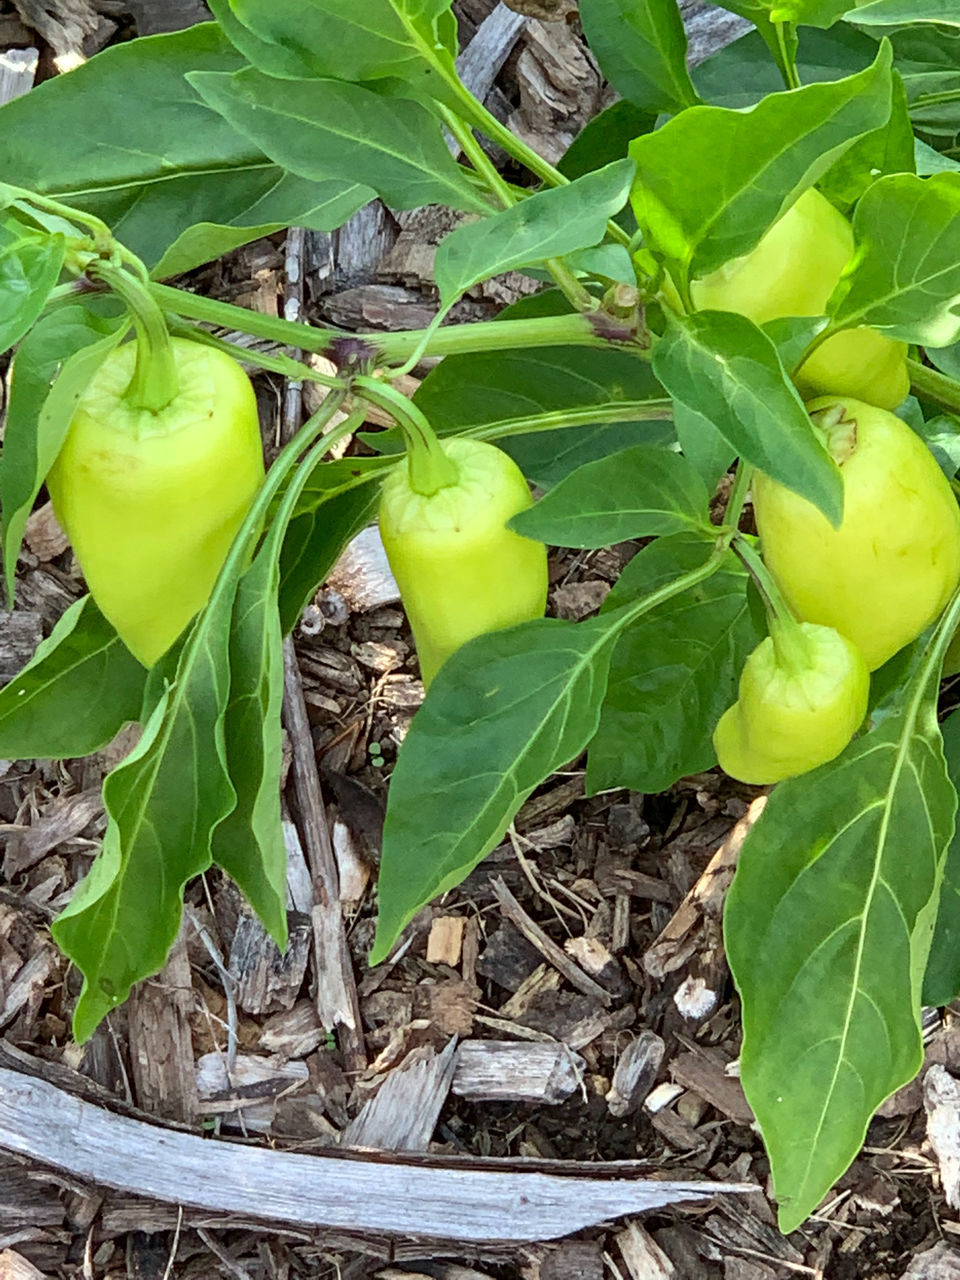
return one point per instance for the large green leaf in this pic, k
(927, 58)
(674, 671)
(720, 365)
(907, 275)
(77, 691)
(548, 224)
(642, 50)
(827, 927)
(69, 343)
(635, 493)
(324, 129)
(162, 162)
(754, 164)
(892, 13)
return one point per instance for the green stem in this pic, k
(582, 416)
(928, 384)
(101, 231)
(430, 467)
(155, 382)
(392, 348)
(738, 495)
(296, 370)
(788, 67)
(788, 640)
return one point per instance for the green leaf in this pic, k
(38, 418)
(941, 981)
(74, 695)
(339, 499)
(927, 59)
(891, 13)
(337, 38)
(827, 929)
(639, 492)
(545, 225)
(906, 280)
(722, 366)
(324, 129)
(891, 149)
(171, 164)
(755, 163)
(674, 671)
(286, 201)
(502, 714)
(702, 444)
(605, 138)
(163, 803)
(642, 50)
(29, 268)
(573, 385)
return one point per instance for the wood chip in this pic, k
(941, 1100)
(362, 575)
(17, 70)
(161, 1048)
(13, 1266)
(642, 1256)
(507, 1071)
(939, 1263)
(634, 1074)
(403, 1114)
(446, 940)
(703, 1070)
(62, 820)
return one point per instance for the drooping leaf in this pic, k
(642, 50)
(322, 129)
(638, 492)
(754, 164)
(827, 928)
(545, 225)
(674, 671)
(165, 166)
(721, 365)
(74, 695)
(906, 280)
(38, 418)
(29, 268)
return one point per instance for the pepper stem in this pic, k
(155, 381)
(430, 467)
(789, 642)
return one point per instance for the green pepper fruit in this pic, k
(460, 570)
(151, 500)
(886, 573)
(796, 709)
(792, 272)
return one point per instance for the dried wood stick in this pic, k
(61, 1131)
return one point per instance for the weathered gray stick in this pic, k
(60, 1130)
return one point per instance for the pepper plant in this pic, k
(784, 221)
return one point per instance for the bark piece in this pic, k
(14, 1266)
(642, 1256)
(65, 818)
(17, 70)
(362, 575)
(161, 1050)
(634, 1074)
(508, 1071)
(939, 1263)
(703, 1071)
(941, 1099)
(19, 636)
(267, 979)
(446, 940)
(403, 1114)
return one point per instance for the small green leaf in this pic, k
(636, 493)
(674, 671)
(605, 138)
(323, 129)
(702, 444)
(642, 50)
(545, 225)
(722, 366)
(63, 349)
(906, 280)
(79, 689)
(754, 164)
(827, 928)
(29, 268)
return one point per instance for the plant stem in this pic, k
(284, 365)
(430, 467)
(788, 640)
(928, 384)
(582, 416)
(788, 67)
(738, 495)
(155, 381)
(390, 348)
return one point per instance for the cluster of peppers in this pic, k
(163, 459)
(864, 590)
